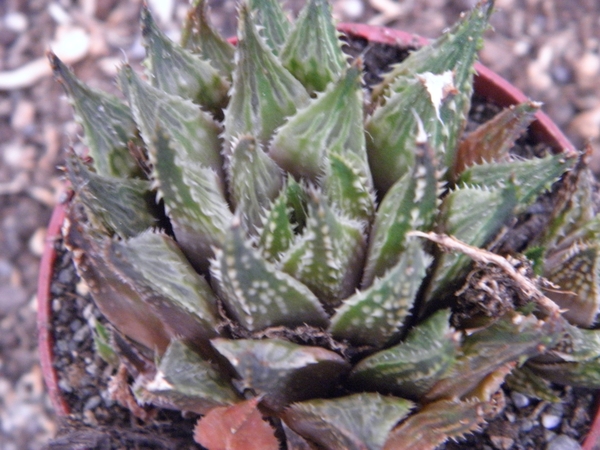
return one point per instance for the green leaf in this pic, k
(194, 133)
(435, 83)
(108, 200)
(312, 51)
(192, 190)
(271, 19)
(347, 187)
(264, 93)
(474, 216)
(155, 267)
(254, 179)
(375, 315)
(527, 382)
(410, 204)
(328, 256)
(297, 198)
(282, 371)
(512, 339)
(437, 422)
(410, 368)
(355, 422)
(277, 234)
(573, 218)
(531, 177)
(106, 121)
(257, 294)
(186, 382)
(199, 36)
(116, 299)
(576, 270)
(331, 124)
(574, 361)
(492, 140)
(455, 50)
(177, 71)
(102, 345)
(391, 135)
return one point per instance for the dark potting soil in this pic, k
(98, 422)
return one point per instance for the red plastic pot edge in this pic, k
(487, 83)
(44, 310)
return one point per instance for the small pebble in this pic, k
(65, 385)
(352, 9)
(587, 124)
(23, 115)
(75, 325)
(62, 346)
(58, 13)
(502, 442)
(81, 334)
(83, 290)
(37, 241)
(550, 421)
(519, 400)
(561, 74)
(563, 442)
(91, 368)
(16, 21)
(587, 69)
(65, 277)
(92, 402)
(526, 425)
(89, 418)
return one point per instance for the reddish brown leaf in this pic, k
(237, 427)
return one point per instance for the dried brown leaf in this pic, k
(237, 427)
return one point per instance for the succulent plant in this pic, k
(271, 239)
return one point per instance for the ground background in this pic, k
(548, 48)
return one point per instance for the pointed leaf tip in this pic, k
(269, 15)
(177, 71)
(282, 371)
(107, 123)
(263, 92)
(199, 36)
(312, 51)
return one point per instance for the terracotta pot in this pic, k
(487, 84)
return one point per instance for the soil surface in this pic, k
(548, 48)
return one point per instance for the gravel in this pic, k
(548, 48)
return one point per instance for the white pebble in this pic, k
(353, 9)
(23, 115)
(550, 421)
(37, 241)
(520, 400)
(16, 21)
(71, 44)
(563, 442)
(59, 14)
(587, 124)
(587, 69)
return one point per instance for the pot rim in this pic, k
(487, 83)
(44, 308)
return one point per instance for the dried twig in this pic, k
(486, 257)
